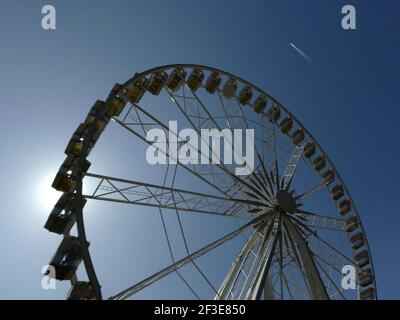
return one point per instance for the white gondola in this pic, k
(344, 207)
(65, 177)
(136, 89)
(116, 102)
(95, 115)
(309, 149)
(328, 176)
(67, 258)
(260, 103)
(195, 79)
(157, 82)
(319, 162)
(357, 241)
(365, 277)
(362, 258)
(213, 82)
(274, 113)
(337, 192)
(286, 124)
(245, 95)
(351, 224)
(176, 79)
(298, 136)
(229, 89)
(62, 218)
(367, 294)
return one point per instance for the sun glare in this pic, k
(47, 196)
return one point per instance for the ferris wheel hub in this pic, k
(286, 201)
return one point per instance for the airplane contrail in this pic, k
(300, 52)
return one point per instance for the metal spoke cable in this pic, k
(330, 279)
(185, 241)
(169, 244)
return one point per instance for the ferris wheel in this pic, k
(300, 225)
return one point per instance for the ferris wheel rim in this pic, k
(147, 72)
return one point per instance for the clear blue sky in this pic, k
(347, 97)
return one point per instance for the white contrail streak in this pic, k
(300, 52)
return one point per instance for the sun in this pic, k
(46, 195)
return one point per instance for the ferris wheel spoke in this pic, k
(255, 179)
(274, 142)
(188, 285)
(266, 178)
(272, 176)
(272, 292)
(184, 236)
(269, 246)
(329, 264)
(245, 280)
(311, 191)
(231, 117)
(309, 213)
(273, 137)
(246, 277)
(236, 279)
(319, 221)
(292, 166)
(263, 142)
(246, 125)
(313, 276)
(333, 266)
(330, 279)
(241, 117)
(269, 291)
(182, 262)
(289, 284)
(332, 248)
(145, 194)
(292, 251)
(303, 227)
(278, 154)
(260, 124)
(281, 260)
